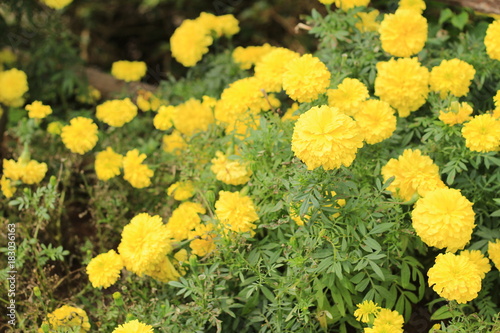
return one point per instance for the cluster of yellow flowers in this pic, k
(66, 319)
(144, 248)
(190, 41)
(458, 276)
(80, 136)
(236, 212)
(38, 110)
(229, 171)
(128, 70)
(116, 112)
(181, 190)
(379, 319)
(23, 170)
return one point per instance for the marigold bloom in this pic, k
(480, 261)
(38, 110)
(184, 219)
(482, 133)
(494, 252)
(452, 76)
(226, 25)
(67, 318)
(246, 57)
(181, 190)
(385, 328)
(366, 311)
(14, 83)
(80, 136)
(389, 317)
(164, 271)
(193, 116)
(242, 126)
(376, 120)
(137, 174)
(290, 114)
(270, 69)
(457, 113)
(57, 4)
(55, 127)
(236, 212)
(174, 143)
(403, 33)
(305, 78)
(403, 83)
(134, 326)
(203, 240)
(7, 188)
(108, 164)
(444, 218)
(368, 21)
(145, 242)
(416, 5)
(414, 174)
(128, 70)
(33, 171)
(345, 5)
(189, 42)
(146, 101)
(104, 269)
(231, 172)
(323, 136)
(116, 112)
(348, 96)
(455, 277)
(163, 119)
(492, 40)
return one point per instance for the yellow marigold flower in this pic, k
(231, 172)
(482, 263)
(246, 57)
(452, 76)
(492, 40)
(67, 319)
(403, 33)
(376, 121)
(494, 252)
(184, 219)
(348, 96)
(174, 143)
(104, 270)
(12, 169)
(145, 242)
(7, 188)
(55, 127)
(403, 83)
(108, 164)
(146, 101)
(414, 174)
(203, 240)
(57, 4)
(181, 190)
(116, 112)
(389, 317)
(80, 136)
(305, 78)
(128, 70)
(416, 5)
(192, 116)
(455, 277)
(14, 83)
(368, 21)
(163, 119)
(366, 311)
(242, 97)
(441, 211)
(323, 136)
(326, 2)
(385, 328)
(270, 69)
(290, 114)
(189, 42)
(38, 110)
(457, 113)
(33, 171)
(224, 25)
(482, 133)
(134, 326)
(137, 174)
(345, 5)
(164, 271)
(236, 212)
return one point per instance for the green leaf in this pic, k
(446, 14)
(269, 295)
(377, 270)
(405, 275)
(443, 313)
(459, 21)
(380, 228)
